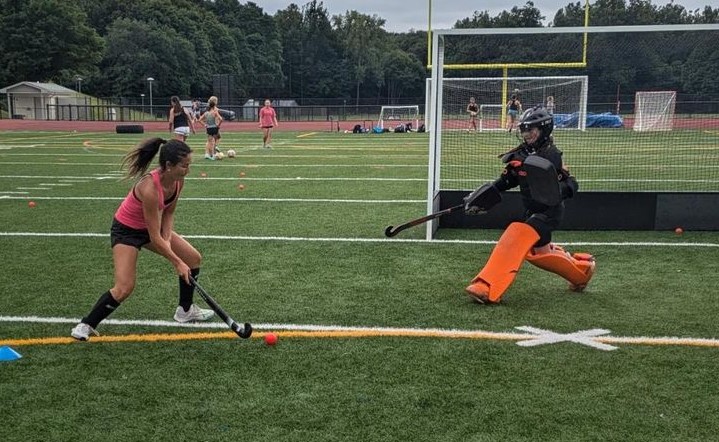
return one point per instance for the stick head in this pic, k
(388, 232)
(245, 331)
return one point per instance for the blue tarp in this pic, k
(593, 120)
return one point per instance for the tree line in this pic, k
(300, 52)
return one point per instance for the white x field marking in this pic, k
(583, 337)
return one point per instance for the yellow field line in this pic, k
(452, 334)
(158, 337)
(306, 135)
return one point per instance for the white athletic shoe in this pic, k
(82, 332)
(195, 313)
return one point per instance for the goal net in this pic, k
(654, 111)
(568, 96)
(392, 116)
(490, 117)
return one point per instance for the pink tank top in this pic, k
(130, 211)
(267, 116)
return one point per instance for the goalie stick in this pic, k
(391, 231)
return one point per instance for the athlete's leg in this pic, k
(125, 260)
(577, 268)
(503, 264)
(210, 147)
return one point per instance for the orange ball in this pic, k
(678, 230)
(242, 173)
(203, 174)
(271, 339)
(241, 187)
(31, 204)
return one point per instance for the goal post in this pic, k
(391, 116)
(654, 111)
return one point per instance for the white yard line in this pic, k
(366, 240)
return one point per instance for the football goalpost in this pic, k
(392, 116)
(654, 111)
(569, 94)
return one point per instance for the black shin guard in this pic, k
(186, 290)
(102, 309)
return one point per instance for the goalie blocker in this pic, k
(482, 199)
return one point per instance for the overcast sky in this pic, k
(403, 15)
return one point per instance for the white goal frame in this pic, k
(483, 126)
(654, 118)
(414, 119)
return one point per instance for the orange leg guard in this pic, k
(577, 268)
(503, 264)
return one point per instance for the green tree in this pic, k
(528, 16)
(258, 41)
(137, 50)
(289, 26)
(413, 42)
(364, 41)
(570, 15)
(313, 55)
(404, 75)
(699, 72)
(46, 40)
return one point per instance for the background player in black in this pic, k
(472, 109)
(514, 108)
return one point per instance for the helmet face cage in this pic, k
(537, 117)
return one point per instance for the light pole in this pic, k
(143, 102)
(150, 80)
(78, 84)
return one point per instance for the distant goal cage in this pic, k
(641, 163)
(654, 110)
(392, 116)
(491, 117)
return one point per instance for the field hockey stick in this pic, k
(391, 231)
(242, 331)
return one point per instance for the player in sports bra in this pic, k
(145, 218)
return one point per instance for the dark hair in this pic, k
(138, 160)
(176, 106)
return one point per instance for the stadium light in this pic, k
(150, 80)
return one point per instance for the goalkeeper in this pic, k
(536, 167)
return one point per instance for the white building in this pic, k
(38, 101)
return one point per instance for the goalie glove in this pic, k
(482, 199)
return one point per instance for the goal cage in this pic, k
(490, 117)
(392, 116)
(654, 111)
(568, 94)
(613, 163)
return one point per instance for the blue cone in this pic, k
(8, 354)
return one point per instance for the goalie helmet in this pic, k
(541, 119)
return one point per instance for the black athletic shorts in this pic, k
(213, 131)
(121, 234)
